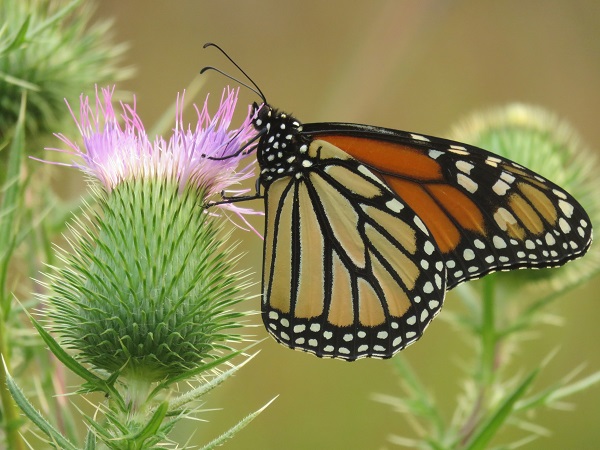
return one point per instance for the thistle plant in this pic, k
(145, 294)
(503, 308)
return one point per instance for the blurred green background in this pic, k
(411, 65)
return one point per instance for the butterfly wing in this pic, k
(350, 271)
(485, 213)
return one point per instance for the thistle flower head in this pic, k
(116, 148)
(148, 286)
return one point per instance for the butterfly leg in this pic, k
(242, 198)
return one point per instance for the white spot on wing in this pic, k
(468, 254)
(428, 247)
(466, 183)
(421, 225)
(500, 187)
(418, 137)
(366, 172)
(435, 154)
(564, 225)
(498, 242)
(394, 205)
(507, 177)
(464, 166)
(566, 208)
(559, 194)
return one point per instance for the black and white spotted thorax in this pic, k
(282, 150)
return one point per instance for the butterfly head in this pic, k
(282, 148)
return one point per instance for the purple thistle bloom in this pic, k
(115, 152)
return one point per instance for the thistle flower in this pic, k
(148, 286)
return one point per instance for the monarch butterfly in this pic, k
(368, 227)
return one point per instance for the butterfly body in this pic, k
(368, 227)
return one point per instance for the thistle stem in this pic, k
(488, 333)
(487, 360)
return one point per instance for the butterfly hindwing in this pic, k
(486, 213)
(350, 271)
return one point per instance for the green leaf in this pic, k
(11, 198)
(33, 415)
(198, 392)
(56, 18)
(95, 382)
(19, 37)
(485, 432)
(233, 430)
(90, 441)
(198, 370)
(100, 430)
(557, 393)
(153, 425)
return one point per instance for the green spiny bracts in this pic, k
(150, 288)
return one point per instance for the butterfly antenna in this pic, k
(247, 86)
(256, 90)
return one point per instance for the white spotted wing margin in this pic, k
(349, 270)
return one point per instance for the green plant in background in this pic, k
(500, 309)
(52, 51)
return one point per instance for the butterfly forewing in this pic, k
(485, 213)
(350, 270)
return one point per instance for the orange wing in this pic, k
(486, 213)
